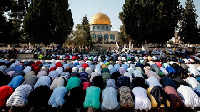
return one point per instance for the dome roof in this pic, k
(100, 18)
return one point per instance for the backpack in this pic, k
(160, 96)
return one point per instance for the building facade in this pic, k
(100, 29)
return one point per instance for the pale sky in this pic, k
(111, 8)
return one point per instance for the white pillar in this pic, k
(129, 46)
(8, 46)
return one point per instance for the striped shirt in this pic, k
(19, 97)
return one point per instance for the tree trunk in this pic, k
(26, 4)
(130, 42)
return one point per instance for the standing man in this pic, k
(193, 50)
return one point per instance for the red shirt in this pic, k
(85, 85)
(85, 65)
(158, 64)
(58, 64)
(5, 92)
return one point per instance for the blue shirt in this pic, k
(16, 81)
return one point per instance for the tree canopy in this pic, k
(48, 21)
(80, 37)
(5, 26)
(85, 26)
(189, 29)
(151, 20)
(123, 37)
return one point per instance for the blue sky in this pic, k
(111, 8)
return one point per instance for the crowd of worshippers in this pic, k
(108, 84)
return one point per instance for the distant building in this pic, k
(100, 29)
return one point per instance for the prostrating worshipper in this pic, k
(158, 97)
(57, 82)
(38, 99)
(126, 99)
(5, 92)
(189, 97)
(16, 81)
(57, 98)
(142, 102)
(92, 98)
(173, 97)
(19, 97)
(4, 79)
(73, 82)
(31, 80)
(43, 81)
(74, 100)
(109, 99)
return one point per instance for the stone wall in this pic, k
(22, 56)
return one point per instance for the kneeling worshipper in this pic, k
(5, 92)
(173, 97)
(189, 97)
(4, 79)
(194, 84)
(73, 82)
(43, 81)
(74, 100)
(142, 102)
(39, 98)
(19, 97)
(30, 80)
(109, 96)
(152, 81)
(92, 97)
(57, 82)
(16, 81)
(57, 98)
(126, 99)
(158, 100)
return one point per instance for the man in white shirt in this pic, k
(109, 96)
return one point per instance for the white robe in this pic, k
(141, 99)
(190, 98)
(109, 96)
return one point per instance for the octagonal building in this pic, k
(100, 29)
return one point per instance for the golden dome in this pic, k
(100, 18)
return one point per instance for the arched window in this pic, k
(106, 36)
(94, 36)
(112, 37)
(99, 36)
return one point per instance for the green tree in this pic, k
(199, 31)
(5, 30)
(86, 27)
(79, 37)
(16, 16)
(189, 29)
(5, 25)
(123, 37)
(48, 21)
(151, 21)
